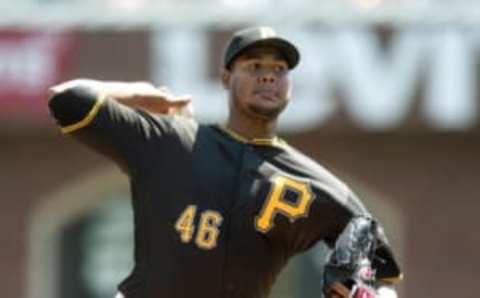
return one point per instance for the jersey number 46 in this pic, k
(208, 228)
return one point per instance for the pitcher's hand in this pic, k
(140, 95)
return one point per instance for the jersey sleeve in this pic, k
(337, 209)
(333, 207)
(110, 128)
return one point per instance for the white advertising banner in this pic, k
(429, 73)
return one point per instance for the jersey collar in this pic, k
(275, 141)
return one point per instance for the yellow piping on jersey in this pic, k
(90, 116)
(275, 141)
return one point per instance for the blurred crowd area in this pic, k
(227, 12)
(386, 98)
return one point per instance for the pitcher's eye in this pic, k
(254, 66)
(280, 68)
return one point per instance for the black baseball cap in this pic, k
(259, 36)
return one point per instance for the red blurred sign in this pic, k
(30, 62)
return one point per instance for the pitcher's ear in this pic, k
(225, 74)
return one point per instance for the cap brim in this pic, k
(286, 48)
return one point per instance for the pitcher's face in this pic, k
(259, 83)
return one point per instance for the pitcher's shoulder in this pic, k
(315, 171)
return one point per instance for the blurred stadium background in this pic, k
(386, 95)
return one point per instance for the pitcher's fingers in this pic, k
(182, 98)
(166, 97)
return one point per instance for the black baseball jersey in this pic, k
(215, 215)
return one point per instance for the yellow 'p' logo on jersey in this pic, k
(276, 203)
